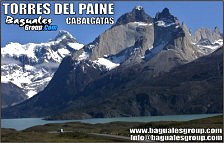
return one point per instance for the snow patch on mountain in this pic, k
(63, 52)
(213, 46)
(220, 42)
(142, 24)
(164, 24)
(106, 63)
(76, 46)
(30, 93)
(27, 77)
(152, 51)
(83, 56)
(16, 49)
(139, 7)
(4, 79)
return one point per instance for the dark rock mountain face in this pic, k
(11, 94)
(140, 66)
(192, 88)
(165, 16)
(136, 15)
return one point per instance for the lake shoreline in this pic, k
(106, 132)
(58, 119)
(23, 123)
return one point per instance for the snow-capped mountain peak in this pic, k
(138, 7)
(32, 65)
(65, 36)
(62, 34)
(54, 50)
(207, 40)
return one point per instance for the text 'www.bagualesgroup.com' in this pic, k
(176, 134)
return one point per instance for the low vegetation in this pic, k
(82, 132)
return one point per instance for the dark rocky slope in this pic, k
(11, 94)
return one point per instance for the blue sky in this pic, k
(194, 14)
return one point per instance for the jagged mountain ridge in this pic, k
(140, 43)
(136, 15)
(31, 66)
(205, 33)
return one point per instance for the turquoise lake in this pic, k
(23, 123)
